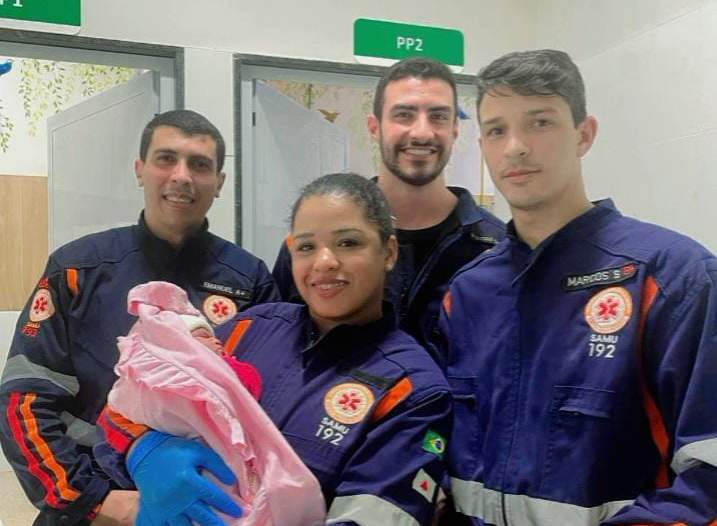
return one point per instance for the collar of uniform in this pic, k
(604, 211)
(467, 210)
(162, 255)
(343, 335)
(586, 223)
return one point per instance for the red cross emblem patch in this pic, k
(41, 307)
(219, 309)
(348, 403)
(609, 310)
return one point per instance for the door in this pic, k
(91, 150)
(291, 147)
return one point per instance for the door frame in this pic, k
(138, 54)
(242, 71)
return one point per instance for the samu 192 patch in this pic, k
(348, 403)
(434, 443)
(609, 310)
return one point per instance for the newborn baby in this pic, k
(169, 382)
(201, 331)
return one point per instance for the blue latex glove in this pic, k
(172, 492)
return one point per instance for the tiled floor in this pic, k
(15, 509)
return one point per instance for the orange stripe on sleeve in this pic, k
(48, 459)
(71, 278)
(397, 394)
(235, 337)
(123, 423)
(33, 465)
(447, 303)
(657, 423)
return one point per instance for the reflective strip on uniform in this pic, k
(368, 510)
(473, 499)
(20, 368)
(79, 430)
(692, 454)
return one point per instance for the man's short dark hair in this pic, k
(189, 123)
(414, 67)
(544, 72)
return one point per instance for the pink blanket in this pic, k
(172, 383)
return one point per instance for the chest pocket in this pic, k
(582, 440)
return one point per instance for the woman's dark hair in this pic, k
(361, 191)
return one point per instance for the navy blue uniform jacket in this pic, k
(59, 368)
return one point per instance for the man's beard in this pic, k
(419, 176)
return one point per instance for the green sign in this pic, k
(382, 43)
(60, 15)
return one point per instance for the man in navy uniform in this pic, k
(582, 350)
(60, 365)
(439, 228)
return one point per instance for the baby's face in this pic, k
(207, 339)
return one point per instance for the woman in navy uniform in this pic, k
(360, 401)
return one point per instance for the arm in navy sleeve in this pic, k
(680, 366)
(116, 435)
(393, 478)
(38, 386)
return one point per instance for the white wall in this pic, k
(650, 68)
(318, 29)
(315, 29)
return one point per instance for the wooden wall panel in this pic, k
(23, 237)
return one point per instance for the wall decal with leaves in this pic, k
(47, 86)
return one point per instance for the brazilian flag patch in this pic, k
(434, 443)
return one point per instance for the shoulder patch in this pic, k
(434, 443)
(424, 484)
(41, 307)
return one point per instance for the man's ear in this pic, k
(374, 126)
(138, 166)
(222, 177)
(391, 253)
(587, 131)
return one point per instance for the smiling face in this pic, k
(417, 129)
(180, 181)
(338, 261)
(533, 149)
